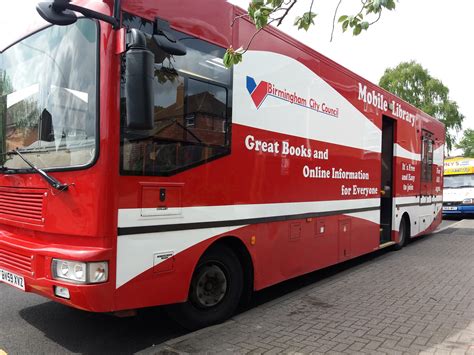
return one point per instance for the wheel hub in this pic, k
(211, 286)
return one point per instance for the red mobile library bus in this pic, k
(138, 171)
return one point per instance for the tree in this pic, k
(467, 143)
(265, 12)
(411, 82)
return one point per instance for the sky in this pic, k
(435, 33)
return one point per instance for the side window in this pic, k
(192, 115)
(206, 111)
(426, 159)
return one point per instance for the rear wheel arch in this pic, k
(245, 258)
(407, 223)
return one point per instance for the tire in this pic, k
(215, 290)
(403, 234)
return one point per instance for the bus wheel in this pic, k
(215, 290)
(402, 234)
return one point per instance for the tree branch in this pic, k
(251, 40)
(334, 19)
(378, 18)
(238, 18)
(280, 20)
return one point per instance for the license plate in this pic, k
(449, 208)
(12, 279)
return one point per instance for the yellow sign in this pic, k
(458, 166)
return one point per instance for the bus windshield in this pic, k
(48, 97)
(457, 181)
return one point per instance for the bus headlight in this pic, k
(468, 201)
(98, 272)
(80, 272)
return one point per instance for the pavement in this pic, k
(419, 300)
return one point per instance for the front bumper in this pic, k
(32, 260)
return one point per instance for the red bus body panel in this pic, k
(241, 189)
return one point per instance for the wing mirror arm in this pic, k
(165, 40)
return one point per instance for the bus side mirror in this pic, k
(56, 13)
(139, 74)
(61, 12)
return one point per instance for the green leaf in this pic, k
(357, 30)
(237, 58)
(352, 21)
(305, 21)
(344, 25)
(390, 4)
(342, 18)
(251, 11)
(376, 5)
(260, 17)
(266, 11)
(261, 22)
(310, 16)
(232, 56)
(258, 3)
(228, 61)
(364, 25)
(275, 3)
(259, 13)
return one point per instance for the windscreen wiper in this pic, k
(5, 170)
(50, 179)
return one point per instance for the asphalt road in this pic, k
(32, 324)
(447, 222)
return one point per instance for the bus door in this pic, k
(426, 178)
(386, 188)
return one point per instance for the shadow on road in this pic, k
(93, 333)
